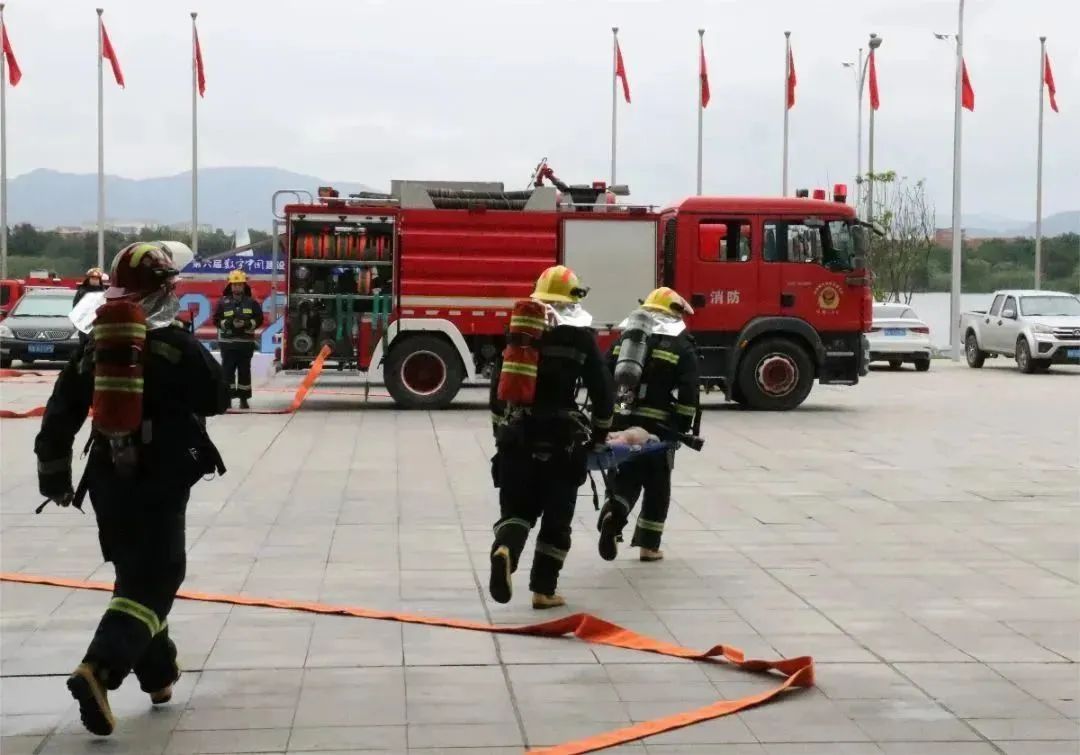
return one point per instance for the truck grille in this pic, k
(35, 334)
(1067, 333)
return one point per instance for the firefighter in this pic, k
(665, 403)
(236, 317)
(139, 484)
(92, 282)
(540, 460)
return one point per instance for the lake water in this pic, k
(933, 309)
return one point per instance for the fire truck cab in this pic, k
(414, 288)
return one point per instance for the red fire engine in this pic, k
(414, 288)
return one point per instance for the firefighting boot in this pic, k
(542, 602)
(651, 554)
(244, 403)
(87, 686)
(609, 537)
(164, 695)
(499, 585)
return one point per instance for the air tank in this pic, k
(633, 350)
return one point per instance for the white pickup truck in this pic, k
(1037, 328)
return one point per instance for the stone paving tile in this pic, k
(934, 581)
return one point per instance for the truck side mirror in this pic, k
(1009, 314)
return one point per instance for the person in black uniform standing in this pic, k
(140, 498)
(237, 316)
(540, 460)
(92, 282)
(666, 401)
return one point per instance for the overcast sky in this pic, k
(463, 89)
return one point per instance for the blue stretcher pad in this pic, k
(614, 455)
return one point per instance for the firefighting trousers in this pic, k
(650, 473)
(236, 364)
(144, 539)
(537, 487)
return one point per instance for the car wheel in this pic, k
(775, 375)
(1024, 361)
(5, 363)
(895, 364)
(976, 357)
(1041, 365)
(922, 365)
(424, 372)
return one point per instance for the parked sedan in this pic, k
(38, 328)
(898, 335)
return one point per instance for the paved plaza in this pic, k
(918, 535)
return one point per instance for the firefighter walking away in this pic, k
(237, 317)
(541, 435)
(656, 374)
(151, 385)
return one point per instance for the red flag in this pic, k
(620, 71)
(967, 94)
(791, 80)
(875, 99)
(109, 54)
(1048, 79)
(704, 74)
(199, 72)
(14, 72)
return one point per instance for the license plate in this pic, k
(1073, 353)
(40, 348)
(895, 331)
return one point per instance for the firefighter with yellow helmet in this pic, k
(656, 373)
(541, 435)
(237, 317)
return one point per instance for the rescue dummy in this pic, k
(654, 365)
(151, 385)
(542, 437)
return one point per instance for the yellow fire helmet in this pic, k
(237, 276)
(668, 301)
(559, 284)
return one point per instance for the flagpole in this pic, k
(1039, 171)
(3, 156)
(614, 105)
(859, 76)
(957, 231)
(700, 105)
(100, 148)
(194, 141)
(787, 75)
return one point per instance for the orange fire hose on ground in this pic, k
(298, 398)
(799, 672)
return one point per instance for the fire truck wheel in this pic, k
(423, 372)
(775, 374)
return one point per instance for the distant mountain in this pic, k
(980, 226)
(229, 198)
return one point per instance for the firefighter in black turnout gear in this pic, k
(151, 385)
(237, 316)
(542, 441)
(661, 396)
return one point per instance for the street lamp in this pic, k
(859, 69)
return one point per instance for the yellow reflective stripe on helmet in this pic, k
(134, 385)
(139, 252)
(521, 321)
(665, 356)
(650, 526)
(167, 351)
(112, 330)
(686, 411)
(649, 412)
(136, 611)
(518, 368)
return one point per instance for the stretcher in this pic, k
(614, 454)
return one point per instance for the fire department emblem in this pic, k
(828, 296)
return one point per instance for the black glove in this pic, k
(54, 480)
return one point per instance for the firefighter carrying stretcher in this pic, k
(237, 317)
(151, 385)
(542, 438)
(656, 374)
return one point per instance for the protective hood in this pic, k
(160, 308)
(663, 323)
(571, 314)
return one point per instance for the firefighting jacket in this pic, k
(182, 384)
(237, 317)
(668, 394)
(568, 356)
